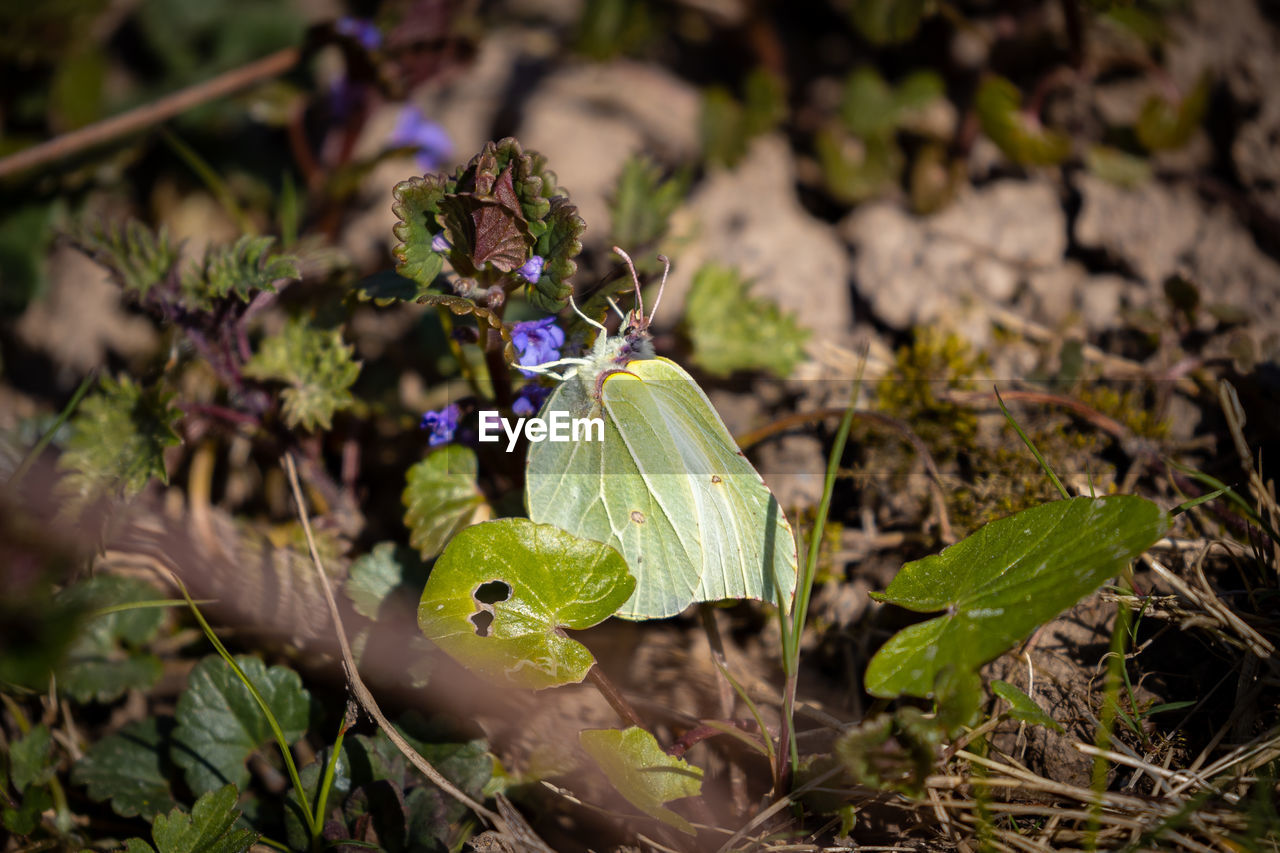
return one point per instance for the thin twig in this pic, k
(362, 694)
(148, 114)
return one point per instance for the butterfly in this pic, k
(667, 487)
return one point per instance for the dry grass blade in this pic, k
(518, 833)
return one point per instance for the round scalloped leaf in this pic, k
(128, 768)
(1002, 581)
(532, 183)
(636, 765)
(502, 593)
(416, 206)
(441, 498)
(558, 246)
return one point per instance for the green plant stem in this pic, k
(63, 416)
(1116, 676)
(1062, 490)
(298, 790)
(326, 782)
(789, 762)
(456, 350)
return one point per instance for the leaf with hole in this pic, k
(1002, 581)
(636, 765)
(220, 724)
(502, 593)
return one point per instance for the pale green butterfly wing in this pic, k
(669, 489)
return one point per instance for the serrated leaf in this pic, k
(1002, 581)
(210, 828)
(643, 201)
(239, 270)
(484, 233)
(532, 184)
(1019, 135)
(730, 330)
(502, 592)
(417, 207)
(29, 759)
(117, 442)
(136, 257)
(886, 21)
(129, 769)
(1117, 167)
(1162, 126)
(376, 575)
(635, 764)
(105, 659)
(441, 497)
(764, 103)
(316, 365)
(219, 723)
(1023, 707)
(558, 246)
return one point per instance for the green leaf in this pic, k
(722, 127)
(1001, 582)
(1117, 167)
(24, 819)
(316, 365)
(643, 201)
(373, 577)
(502, 592)
(1023, 707)
(871, 107)
(886, 21)
(29, 756)
(384, 288)
(894, 752)
(1019, 135)
(417, 207)
(1162, 126)
(558, 245)
(441, 497)
(210, 828)
(240, 270)
(731, 331)
(764, 101)
(26, 230)
(105, 659)
(129, 768)
(117, 442)
(857, 169)
(135, 256)
(219, 724)
(636, 765)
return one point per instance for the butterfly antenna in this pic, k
(585, 318)
(635, 279)
(666, 270)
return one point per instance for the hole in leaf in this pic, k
(482, 619)
(491, 592)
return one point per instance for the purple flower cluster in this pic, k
(537, 342)
(362, 31)
(443, 424)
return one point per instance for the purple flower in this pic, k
(443, 424)
(532, 270)
(537, 341)
(364, 32)
(440, 243)
(413, 129)
(530, 398)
